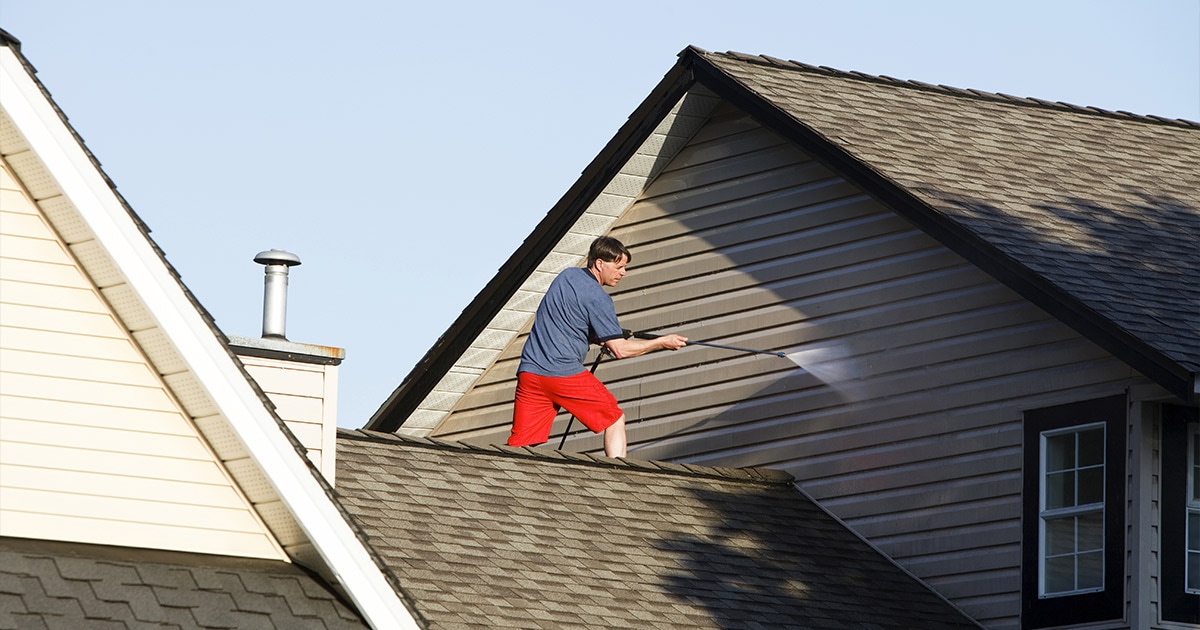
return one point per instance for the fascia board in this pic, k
(205, 355)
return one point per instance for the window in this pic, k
(1180, 517)
(1072, 511)
(1192, 562)
(1073, 525)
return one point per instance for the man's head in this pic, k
(607, 259)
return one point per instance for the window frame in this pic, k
(1178, 603)
(1080, 606)
(1191, 509)
(1047, 514)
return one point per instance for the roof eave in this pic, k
(1137, 354)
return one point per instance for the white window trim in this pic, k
(1044, 514)
(1193, 505)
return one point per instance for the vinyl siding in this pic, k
(305, 398)
(906, 422)
(94, 447)
(668, 137)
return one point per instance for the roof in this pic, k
(506, 537)
(60, 585)
(182, 342)
(1089, 214)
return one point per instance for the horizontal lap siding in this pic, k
(907, 421)
(305, 397)
(93, 447)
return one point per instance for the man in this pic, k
(574, 313)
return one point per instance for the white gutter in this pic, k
(205, 356)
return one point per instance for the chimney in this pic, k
(299, 379)
(275, 285)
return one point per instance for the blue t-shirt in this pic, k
(574, 311)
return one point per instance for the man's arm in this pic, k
(622, 348)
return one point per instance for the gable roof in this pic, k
(182, 342)
(75, 585)
(526, 538)
(1091, 215)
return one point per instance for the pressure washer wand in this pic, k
(644, 335)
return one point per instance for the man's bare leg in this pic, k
(614, 439)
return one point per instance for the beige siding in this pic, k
(906, 422)
(305, 397)
(93, 446)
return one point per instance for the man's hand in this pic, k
(672, 341)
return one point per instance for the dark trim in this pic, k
(6, 39)
(296, 357)
(1150, 362)
(458, 337)
(1109, 604)
(1177, 605)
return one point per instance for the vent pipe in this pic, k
(275, 284)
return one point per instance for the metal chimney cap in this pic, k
(277, 257)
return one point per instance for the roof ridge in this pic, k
(768, 60)
(756, 475)
(7, 39)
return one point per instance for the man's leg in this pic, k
(533, 412)
(614, 438)
(591, 402)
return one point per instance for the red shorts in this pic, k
(539, 398)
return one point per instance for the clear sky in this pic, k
(405, 149)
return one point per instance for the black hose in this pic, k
(595, 365)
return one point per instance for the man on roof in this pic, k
(574, 313)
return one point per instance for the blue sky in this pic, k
(404, 150)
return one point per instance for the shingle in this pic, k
(1037, 180)
(69, 585)
(593, 543)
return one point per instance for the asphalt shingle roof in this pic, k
(1105, 206)
(517, 538)
(45, 584)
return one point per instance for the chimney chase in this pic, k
(299, 379)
